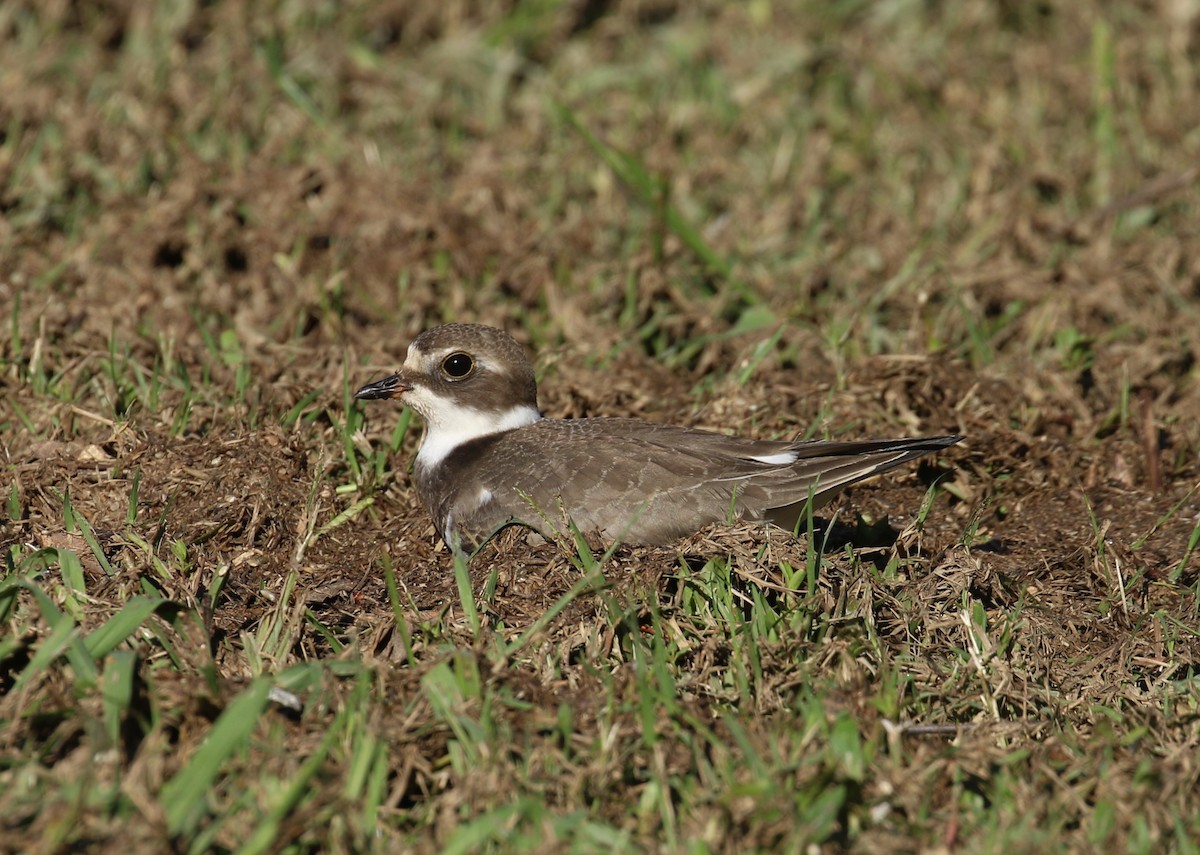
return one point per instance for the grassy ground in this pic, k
(227, 625)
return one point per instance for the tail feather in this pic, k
(829, 468)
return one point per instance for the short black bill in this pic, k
(388, 387)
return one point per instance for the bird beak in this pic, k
(388, 387)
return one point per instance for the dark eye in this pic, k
(456, 366)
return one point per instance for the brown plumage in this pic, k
(489, 460)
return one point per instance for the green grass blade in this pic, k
(104, 639)
(466, 597)
(72, 575)
(344, 517)
(402, 627)
(58, 642)
(264, 837)
(474, 836)
(64, 631)
(89, 538)
(117, 691)
(591, 583)
(184, 796)
(650, 192)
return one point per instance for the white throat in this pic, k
(448, 426)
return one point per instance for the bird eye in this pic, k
(456, 366)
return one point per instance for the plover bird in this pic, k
(489, 459)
